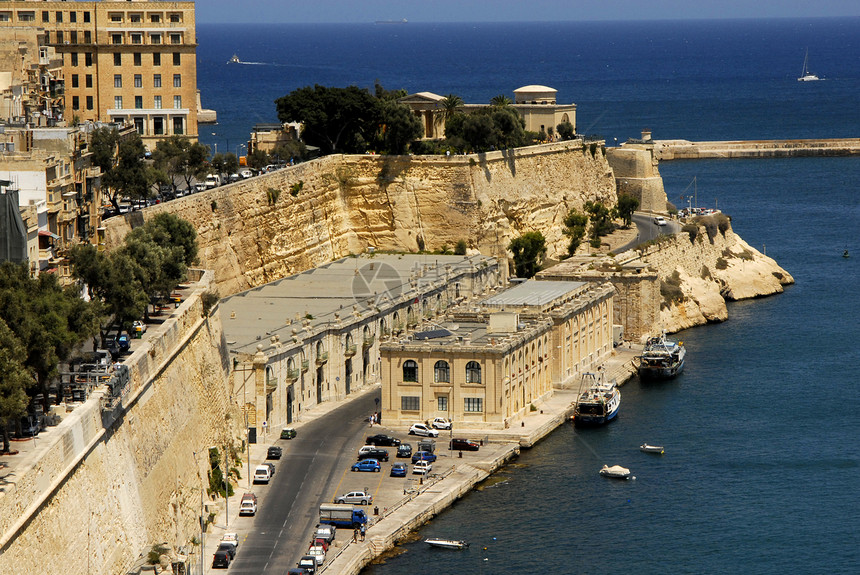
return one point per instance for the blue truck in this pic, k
(342, 515)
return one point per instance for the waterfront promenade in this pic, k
(400, 512)
(665, 150)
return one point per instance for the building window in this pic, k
(46, 16)
(138, 80)
(441, 372)
(473, 372)
(156, 59)
(73, 16)
(158, 126)
(157, 102)
(86, 16)
(473, 404)
(442, 403)
(5, 16)
(155, 38)
(76, 103)
(73, 36)
(138, 125)
(178, 126)
(89, 102)
(117, 80)
(156, 81)
(59, 16)
(175, 18)
(88, 59)
(116, 17)
(74, 59)
(26, 16)
(75, 81)
(88, 80)
(116, 38)
(410, 370)
(117, 102)
(410, 403)
(177, 80)
(60, 37)
(88, 38)
(176, 38)
(177, 59)
(135, 18)
(177, 102)
(155, 18)
(117, 59)
(138, 102)
(137, 38)
(137, 59)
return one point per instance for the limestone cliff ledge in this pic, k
(708, 270)
(269, 227)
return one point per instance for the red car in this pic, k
(458, 444)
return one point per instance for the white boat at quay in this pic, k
(615, 472)
(446, 543)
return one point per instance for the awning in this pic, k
(47, 234)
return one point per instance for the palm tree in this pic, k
(450, 104)
(500, 101)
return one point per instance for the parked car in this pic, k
(234, 178)
(221, 559)
(271, 467)
(440, 423)
(322, 542)
(660, 220)
(230, 549)
(427, 445)
(200, 187)
(138, 327)
(231, 538)
(326, 532)
(288, 433)
(422, 467)
(382, 439)
(248, 504)
(123, 342)
(379, 454)
(404, 450)
(262, 474)
(212, 181)
(398, 470)
(460, 444)
(112, 346)
(246, 173)
(366, 465)
(421, 429)
(318, 553)
(308, 563)
(274, 452)
(355, 497)
(424, 456)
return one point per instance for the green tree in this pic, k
(529, 251)
(178, 157)
(486, 129)
(500, 101)
(601, 222)
(169, 231)
(218, 164)
(335, 119)
(130, 177)
(574, 227)
(451, 105)
(231, 163)
(291, 150)
(15, 379)
(565, 131)
(400, 127)
(103, 144)
(257, 159)
(625, 207)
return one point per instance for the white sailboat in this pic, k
(806, 75)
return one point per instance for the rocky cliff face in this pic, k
(700, 270)
(263, 229)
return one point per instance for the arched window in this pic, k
(441, 372)
(473, 372)
(410, 370)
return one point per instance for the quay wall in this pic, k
(272, 226)
(105, 488)
(687, 150)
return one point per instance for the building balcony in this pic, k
(271, 384)
(322, 357)
(369, 341)
(293, 374)
(306, 365)
(349, 350)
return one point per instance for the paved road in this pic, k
(649, 230)
(308, 473)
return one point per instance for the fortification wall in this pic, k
(687, 150)
(338, 205)
(637, 174)
(137, 482)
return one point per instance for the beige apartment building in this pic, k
(131, 62)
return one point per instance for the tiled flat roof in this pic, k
(534, 293)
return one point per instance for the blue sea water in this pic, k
(762, 464)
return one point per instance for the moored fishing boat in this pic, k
(651, 448)
(661, 358)
(615, 472)
(598, 403)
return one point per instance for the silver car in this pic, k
(355, 497)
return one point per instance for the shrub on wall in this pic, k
(670, 289)
(692, 230)
(722, 263)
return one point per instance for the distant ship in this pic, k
(234, 59)
(404, 21)
(806, 75)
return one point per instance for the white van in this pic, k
(212, 181)
(262, 474)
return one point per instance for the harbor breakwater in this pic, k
(665, 150)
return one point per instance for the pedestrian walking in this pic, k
(355, 535)
(362, 532)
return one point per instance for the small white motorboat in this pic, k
(615, 472)
(446, 543)
(651, 448)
